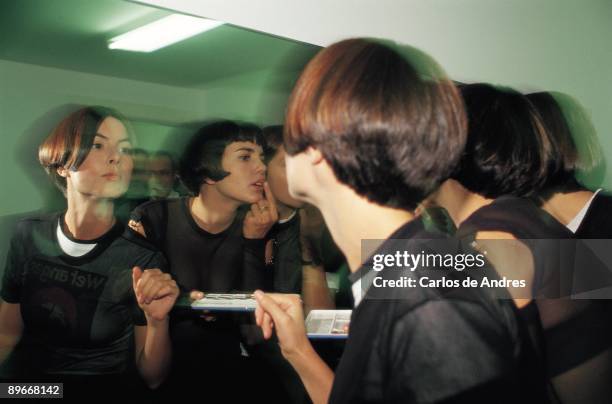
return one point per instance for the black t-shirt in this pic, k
(284, 274)
(597, 223)
(219, 263)
(430, 345)
(78, 312)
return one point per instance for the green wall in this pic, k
(34, 98)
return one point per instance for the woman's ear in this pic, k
(314, 155)
(63, 172)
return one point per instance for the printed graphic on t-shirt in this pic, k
(61, 300)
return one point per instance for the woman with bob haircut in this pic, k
(75, 295)
(503, 164)
(213, 246)
(370, 131)
(587, 215)
(583, 211)
(491, 195)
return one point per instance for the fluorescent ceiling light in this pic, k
(171, 29)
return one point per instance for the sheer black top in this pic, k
(221, 263)
(576, 336)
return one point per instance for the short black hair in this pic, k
(388, 124)
(274, 140)
(202, 157)
(507, 150)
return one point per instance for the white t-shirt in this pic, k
(574, 224)
(70, 247)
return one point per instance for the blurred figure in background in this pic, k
(138, 190)
(139, 185)
(162, 172)
(283, 250)
(296, 263)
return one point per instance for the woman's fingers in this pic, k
(268, 326)
(148, 284)
(196, 295)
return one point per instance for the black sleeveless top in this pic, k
(575, 334)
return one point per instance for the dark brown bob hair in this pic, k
(384, 117)
(507, 149)
(575, 147)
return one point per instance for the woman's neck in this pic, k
(284, 211)
(88, 218)
(565, 206)
(351, 219)
(458, 201)
(212, 211)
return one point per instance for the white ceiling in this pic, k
(468, 37)
(560, 45)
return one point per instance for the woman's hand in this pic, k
(261, 217)
(284, 313)
(155, 291)
(197, 295)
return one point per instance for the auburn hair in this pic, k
(389, 127)
(70, 142)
